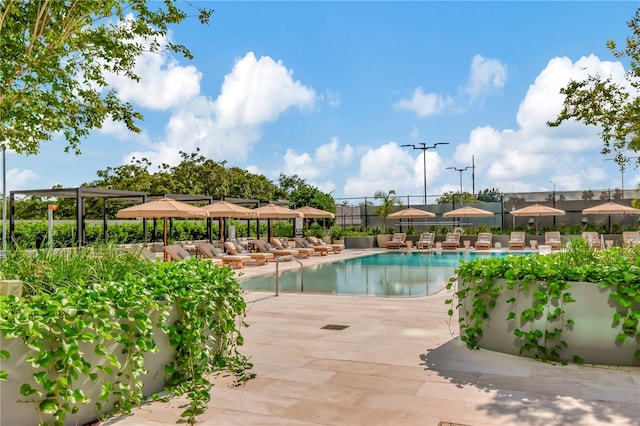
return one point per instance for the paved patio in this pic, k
(398, 362)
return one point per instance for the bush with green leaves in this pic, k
(483, 280)
(101, 298)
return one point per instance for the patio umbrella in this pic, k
(468, 211)
(314, 213)
(161, 208)
(537, 210)
(274, 211)
(411, 213)
(611, 209)
(222, 209)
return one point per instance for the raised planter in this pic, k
(16, 409)
(11, 287)
(359, 242)
(592, 337)
(383, 239)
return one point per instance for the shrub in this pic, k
(111, 301)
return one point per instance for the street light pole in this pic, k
(554, 202)
(424, 148)
(459, 170)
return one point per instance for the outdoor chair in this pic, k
(484, 241)
(552, 239)
(337, 248)
(398, 240)
(451, 241)
(321, 250)
(517, 241)
(593, 239)
(209, 251)
(258, 258)
(426, 241)
(264, 247)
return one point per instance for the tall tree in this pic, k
(54, 58)
(388, 201)
(599, 101)
(302, 194)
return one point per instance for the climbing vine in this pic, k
(537, 290)
(100, 333)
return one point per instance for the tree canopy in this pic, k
(600, 101)
(55, 55)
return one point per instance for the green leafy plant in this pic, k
(538, 323)
(96, 324)
(388, 202)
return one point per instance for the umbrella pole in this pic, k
(164, 246)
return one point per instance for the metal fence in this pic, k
(361, 212)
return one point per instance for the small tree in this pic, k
(55, 56)
(389, 202)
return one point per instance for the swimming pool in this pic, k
(403, 274)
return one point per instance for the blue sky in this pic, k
(329, 91)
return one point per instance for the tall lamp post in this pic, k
(554, 202)
(424, 148)
(459, 170)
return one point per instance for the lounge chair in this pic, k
(484, 241)
(552, 239)
(337, 248)
(592, 239)
(304, 251)
(258, 258)
(209, 251)
(321, 250)
(451, 241)
(398, 240)
(177, 252)
(631, 238)
(277, 244)
(264, 247)
(426, 241)
(517, 241)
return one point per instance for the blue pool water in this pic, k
(405, 274)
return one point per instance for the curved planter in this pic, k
(16, 409)
(592, 337)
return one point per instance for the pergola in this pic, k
(80, 194)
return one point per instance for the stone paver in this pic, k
(398, 363)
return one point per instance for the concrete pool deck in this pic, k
(398, 362)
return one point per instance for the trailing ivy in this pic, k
(98, 330)
(538, 324)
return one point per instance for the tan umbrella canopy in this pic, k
(468, 211)
(611, 209)
(161, 208)
(411, 213)
(227, 209)
(536, 210)
(273, 211)
(313, 213)
(222, 209)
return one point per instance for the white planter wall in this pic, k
(593, 338)
(18, 410)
